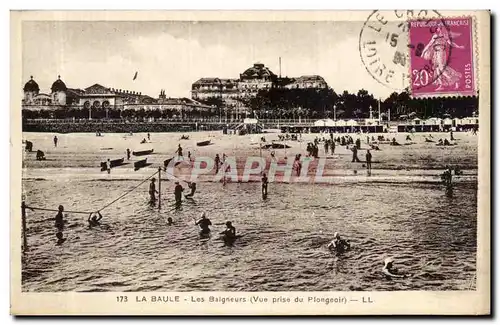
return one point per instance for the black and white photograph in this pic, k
(238, 155)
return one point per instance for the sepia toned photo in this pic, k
(250, 163)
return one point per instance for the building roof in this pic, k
(41, 95)
(258, 71)
(75, 92)
(31, 85)
(181, 101)
(58, 85)
(204, 81)
(229, 81)
(309, 78)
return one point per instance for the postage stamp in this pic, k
(383, 45)
(441, 57)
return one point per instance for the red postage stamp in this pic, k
(441, 57)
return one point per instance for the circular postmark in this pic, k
(387, 47)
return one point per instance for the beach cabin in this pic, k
(447, 124)
(372, 125)
(469, 123)
(326, 125)
(340, 126)
(352, 126)
(410, 126)
(431, 124)
(417, 125)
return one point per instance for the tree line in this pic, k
(294, 103)
(325, 103)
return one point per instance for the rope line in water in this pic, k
(106, 206)
(121, 196)
(54, 210)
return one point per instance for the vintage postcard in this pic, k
(250, 163)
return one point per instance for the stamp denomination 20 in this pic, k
(384, 45)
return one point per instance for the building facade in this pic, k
(250, 82)
(98, 97)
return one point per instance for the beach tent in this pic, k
(319, 123)
(250, 121)
(416, 121)
(249, 125)
(371, 121)
(351, 123)
(340, 123)
(329, 122)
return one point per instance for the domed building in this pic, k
(31, 90)
(59, 90)
(97, 100)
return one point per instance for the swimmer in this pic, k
(170, 221)
(204, 224)
(338, 244)
(192, 186)
(390, 271)
(94, 219)
(229, 234)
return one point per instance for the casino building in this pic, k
(97, 97)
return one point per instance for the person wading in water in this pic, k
(192, 186)
(204, 224)
(152, 191)
(369, 162)
(229, 234)
(355, 154)
(178, 194)
(59, 218)
(179, 150)
(264, 185)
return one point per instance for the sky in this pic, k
(171, 55)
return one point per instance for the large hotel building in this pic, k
(250, 82)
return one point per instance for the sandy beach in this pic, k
(285, 236)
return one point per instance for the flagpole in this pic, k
(379, 119)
